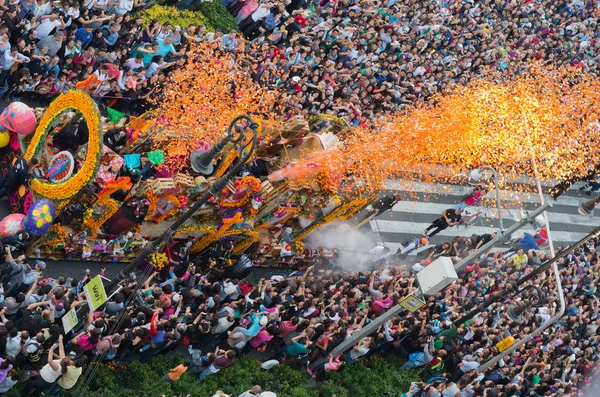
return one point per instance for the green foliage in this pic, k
(375, 377)
(217, 15)
(183, 18)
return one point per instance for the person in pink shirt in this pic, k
(246, 10)
(334, 364)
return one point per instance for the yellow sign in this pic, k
(412, 303)
(95, 293)
(69, 320)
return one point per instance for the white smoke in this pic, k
(354, 245)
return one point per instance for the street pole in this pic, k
(586, 208)
(529, 337)
(497, 184)
(235, 136)
(391, 312)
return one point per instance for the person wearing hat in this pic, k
(176, 35)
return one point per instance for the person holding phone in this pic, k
(49, 374)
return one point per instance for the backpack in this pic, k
(112, 352)
(35, 357)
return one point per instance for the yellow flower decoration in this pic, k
(42, 216)
(71, 100)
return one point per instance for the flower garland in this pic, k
(225, 163)
(342, 212)
(153, 201)
(241, 247)
(298, 246)
(158, 260)
(81, 102)
(187, 229)
(330, 117)
(93, 225)
(248, 184)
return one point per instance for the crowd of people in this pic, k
(300, 319)
(353, 59)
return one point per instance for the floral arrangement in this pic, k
(176, 205)
(57, 234)
(71, 100)
(248, 185)
(298, 246)
(158, 260)
(225, 163)
(153, 199)
(93, 225)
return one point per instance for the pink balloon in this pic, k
(11, 224)
(19, 118)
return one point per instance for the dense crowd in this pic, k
(300, 319)
(354, 59)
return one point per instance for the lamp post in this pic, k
(476, 175)
(586, 208)
(203, 163)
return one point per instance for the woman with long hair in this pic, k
(50, 372)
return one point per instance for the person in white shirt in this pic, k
(49, 372)
(379, 252)
(13, 343)
(9, 59)
(48, 23)
(124, 7)
(42, 8)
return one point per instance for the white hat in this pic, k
(296, 79)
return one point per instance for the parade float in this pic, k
(101, 184)
(100, 188)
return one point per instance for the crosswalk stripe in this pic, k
(491, 213)
(408, 219)
(506, 196)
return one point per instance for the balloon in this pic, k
(11, 225)
(4, 138)
(19, 118)
(39, 217)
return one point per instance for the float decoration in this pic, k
(18, 117)
(39, 218)
(71, 100)
(11, 225)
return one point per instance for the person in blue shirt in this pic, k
(165, 47)
(85, 35)
(111, 34)
(299, 347)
